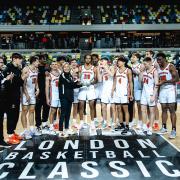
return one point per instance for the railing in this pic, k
(107, 27)
(110, 50)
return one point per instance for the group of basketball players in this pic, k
(118, 83)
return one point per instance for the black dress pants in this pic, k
(65, 113)
(2, 111)
(41, 103)
(12, 116)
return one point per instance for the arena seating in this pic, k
(30, 15)
(139, 14)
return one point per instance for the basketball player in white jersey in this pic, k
(52, 95)
(122, 91)
(30, 91)
(150, 54)
(149, 80)
(75, 74)
(137, 67)
(88, 77)
(97, 86)
(168, 77)
(113, 110)
(105, 75)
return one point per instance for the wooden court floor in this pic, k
(175, 141)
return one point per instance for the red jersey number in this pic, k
(119, 80)
(145, 81)
(33, 80)
(163, 78)
(86, 76)
(57, 82)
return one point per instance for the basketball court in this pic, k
(109, 155)
(111, 31)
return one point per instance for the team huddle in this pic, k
(120, 84)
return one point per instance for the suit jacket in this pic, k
(66, 86)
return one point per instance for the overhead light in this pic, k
(148, 37)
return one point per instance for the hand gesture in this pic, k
(160, 83)
(47, 73)
(28, 98)
(37, 92)
(48, 102)
(10, 76)
(152, 98)
(130, 98)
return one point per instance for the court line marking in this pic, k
(170, 143)
(165, 140)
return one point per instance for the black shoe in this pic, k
(45, 127)
(4, 144)
(125, 131)
(119, 128)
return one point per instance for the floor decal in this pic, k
(107, 156)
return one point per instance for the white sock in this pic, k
(31, 128)
(51, 126)
(44, 124)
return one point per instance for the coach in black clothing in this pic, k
(13, 91)
(41, 99)
(66, 94)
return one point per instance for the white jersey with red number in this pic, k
(54, 90)
(87, 75)
(107, 84)
(148, 82)
(122, 85)
(31, 82)
(135, 69)
(165, 75)
(107, 80)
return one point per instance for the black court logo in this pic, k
(100, 157)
